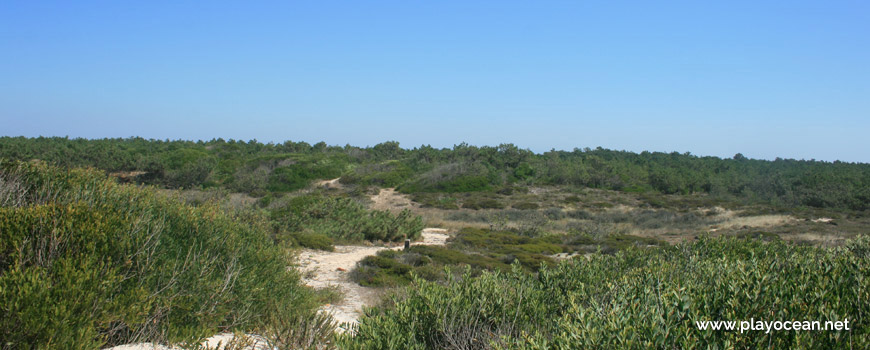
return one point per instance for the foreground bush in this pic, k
(638, 299)
(86, 263)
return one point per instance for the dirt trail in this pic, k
(389, 199)
(323, 269)
(332, 183)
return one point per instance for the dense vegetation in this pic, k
(116, 263)
(484, 250)
(308, 216)
(638, 299)
(258, 169)
(86, 262)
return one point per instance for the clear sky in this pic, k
(768, 79)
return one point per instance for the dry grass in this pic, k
(626, 213)
(755, 221)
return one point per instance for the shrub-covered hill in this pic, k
(639, 299)
(259, 169)
(86, 263)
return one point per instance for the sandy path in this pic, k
(332, 183)
(389, 199)
(323, 269)
(332, 268)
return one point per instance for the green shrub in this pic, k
(487, 203)
(452, 178)
(314, 241)
(299, 175)
(762, 235)
(579, 214)
(638, 299)
(435, 200)
(572, 199)
(86, 263)
(525, 206)
(378, 271)
(445, 256)
(345, 219)
(386, 174)
(555, 214)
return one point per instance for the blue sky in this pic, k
(784, 79)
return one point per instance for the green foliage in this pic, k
(299, 171)
(378, 271)
(525, 206)
(480, 250)
(467, 313)
(524, 171)
(762, 235)
(257, 168)
(444, 256)
(485, 203)
(508, 246)
(85, 262)
(290, 328)
(637, 299)
(451, 178)
(314, 241)
(387, 174)
(436, 200)
(345, 219)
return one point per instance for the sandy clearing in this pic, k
(325, 270)
(389, 199)
(333, 183)
(215, 342)
(755, 221)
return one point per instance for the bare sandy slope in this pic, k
(331, 269)
(389, 199)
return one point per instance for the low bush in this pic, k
(87, 263)
(579, 214)
(638, 299)
(572, 199)
(395, 268)
(555, 214)
(436, 200)
(762, 235)
(314, 241)
(483, 204)
(378, 271)
(345, 219)
(386, 174)
(452, 178)
(525, 206)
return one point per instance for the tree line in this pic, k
(260, 168)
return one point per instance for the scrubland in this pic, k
(108, 242)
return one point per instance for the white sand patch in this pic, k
(215, 342)
(754, 221)
(329, 269)
(389, 199)
(332, 183)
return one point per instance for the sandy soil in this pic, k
(331, 269)
(389, 199)
(333, 183)
(754, 221)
